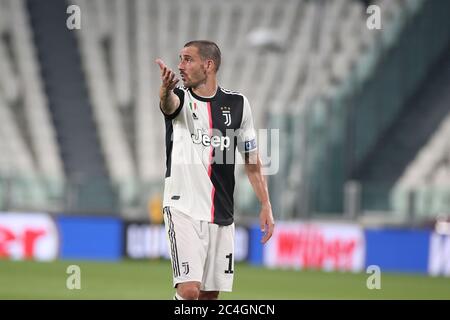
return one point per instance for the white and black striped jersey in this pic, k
(201, 140)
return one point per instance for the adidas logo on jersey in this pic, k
(214, 141)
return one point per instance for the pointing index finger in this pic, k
(160, 63)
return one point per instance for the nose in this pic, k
(181, 66)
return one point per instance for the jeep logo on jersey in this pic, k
(214, 141)
(227, 114)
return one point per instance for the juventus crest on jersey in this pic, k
(201, 140)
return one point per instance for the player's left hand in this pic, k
(267, 223)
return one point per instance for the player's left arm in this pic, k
(253, 168)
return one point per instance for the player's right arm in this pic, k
(169, 101)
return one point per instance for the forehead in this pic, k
(189, 51)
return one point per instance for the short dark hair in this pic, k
(207, 50)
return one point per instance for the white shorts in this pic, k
(200, 251)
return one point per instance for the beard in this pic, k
(189, 83)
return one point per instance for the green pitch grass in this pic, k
(152, 280)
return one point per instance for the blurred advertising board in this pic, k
(28, 236)
(398, 250)
(147, 241)
(324, 246)
(90, 237)
(439, 257)
(255, 248)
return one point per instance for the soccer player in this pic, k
(204, 125)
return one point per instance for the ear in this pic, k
(210, 65)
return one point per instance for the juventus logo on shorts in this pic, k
(227, 114)
(186, 267)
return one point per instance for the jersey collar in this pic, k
(204, 99)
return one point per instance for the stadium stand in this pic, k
(334, 89)
(412, 78)
(30, 162)
(426, 179)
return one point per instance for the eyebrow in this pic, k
(185, 55)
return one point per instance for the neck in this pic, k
(206, 89)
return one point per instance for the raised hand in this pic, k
(169, 102)
(168, 77)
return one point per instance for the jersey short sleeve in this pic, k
(180, 95)
(247, 135)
